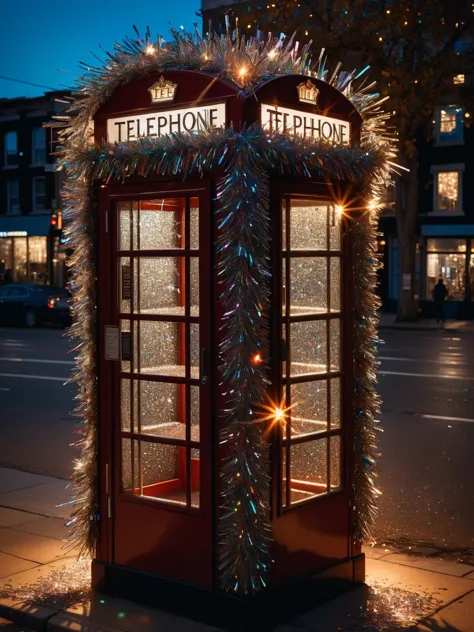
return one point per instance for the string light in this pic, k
(339, 209)
(256, 359)
(150, 50)
(272, 54)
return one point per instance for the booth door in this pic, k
(161, 268)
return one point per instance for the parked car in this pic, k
(29, 305)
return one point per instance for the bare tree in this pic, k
(415, 49)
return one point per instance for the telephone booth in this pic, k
(162, 327)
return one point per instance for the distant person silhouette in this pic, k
(8, 276)
(439, 294)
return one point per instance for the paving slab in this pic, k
(457, 617)
(9, 565)
(387, 583)
(28, 546)
(469, 575)
(130, 617)
(430, 564)
(13, 517)
(41, 499)
(49, 527)
(11, 479)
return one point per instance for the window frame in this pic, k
(447, 168)
(9, 198)
(34, 148)
(6, 164)
(446, 141)
(35, 208)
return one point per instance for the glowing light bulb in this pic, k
(256, 359)
(272, 54)
(339, 209)
(372, 205)
(150, 50)
(279, 414)
(242, 72)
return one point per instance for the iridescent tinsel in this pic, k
(245, 159)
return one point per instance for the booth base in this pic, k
(260, 613)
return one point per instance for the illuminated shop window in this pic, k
(446, 259)
(447, 182)
(38, 259)
(312, 367)
(158, 298)
(450, 126)
(459, 79)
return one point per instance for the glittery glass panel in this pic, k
(123, 270)
(334, 231)
(194, 224)
(194, 346)
(308, 226)
(161, 285)
(308, 407)
(127, 485)
(308, 342)
(159, 463)
(335, 271)
(161, 229)
(283, 476)
(195, 491)
(308, 285)
(194, 281)
(195, 412)
(159, 349)
(335, 386)
(162, 408)
(335, 456)
(125, 364)
(308, 465)
(335, 343)
(124, 210)
(125, 412)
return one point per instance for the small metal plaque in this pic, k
(111, 343)
(126, 282)
(126, 346)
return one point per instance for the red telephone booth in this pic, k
(229, 226)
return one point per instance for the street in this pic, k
(427, 385)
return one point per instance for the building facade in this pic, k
(30, 213)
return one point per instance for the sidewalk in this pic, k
(387, 321)
(43, 588)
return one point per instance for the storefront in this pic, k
(29, 248)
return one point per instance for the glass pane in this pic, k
(446, 245)
(125, 412)
(308, 225)
(283, 476)
(195, 412)
(448, 191)
(335, 272)
(335, 456)
(195, 478)
(308, 285)
(6, 255)
(334, 229)
(308, 342)
(125, 284)
(162, 223)
(335, 386)
(194, 280)
(162, 285)
(124, 210)
(161, 348)
(194, 223)
(450, 268)
(38, 259)
(194, 345)
(308, 407)
(162, 408)
(163, 471)
(335, 344)
(127, 485)
(308, 469)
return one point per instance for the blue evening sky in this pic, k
(37, 37)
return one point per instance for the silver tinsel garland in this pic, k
(246, 160)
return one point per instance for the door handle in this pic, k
(203, 366)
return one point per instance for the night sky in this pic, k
(38, 38)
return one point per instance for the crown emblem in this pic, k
(307, 92)
(162, 90)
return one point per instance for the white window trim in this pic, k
(5, 160)
(446, 143)
(9, 212)
(435, 170)
(34, 209)
(37, 164)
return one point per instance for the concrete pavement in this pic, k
(387, 321)
(43, 587)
